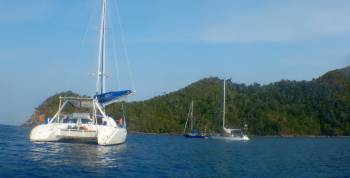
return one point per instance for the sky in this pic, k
(159, 46)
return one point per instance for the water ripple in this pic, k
(174, 156)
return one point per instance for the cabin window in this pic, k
(85, 121)
(70, 120)
(99, 121)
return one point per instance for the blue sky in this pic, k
(50, 46)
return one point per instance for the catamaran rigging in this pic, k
(94, 125)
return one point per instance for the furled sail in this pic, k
(112, 97)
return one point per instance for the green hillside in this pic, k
(49, 108)
(317, 107)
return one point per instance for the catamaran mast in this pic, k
(224, 106)
(101, 58)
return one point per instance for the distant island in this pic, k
(317, 107)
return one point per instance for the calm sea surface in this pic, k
(174, 156)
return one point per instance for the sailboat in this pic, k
(193, 132)
(91, 123)
(227, 133)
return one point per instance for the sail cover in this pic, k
(78, 102)
(113, 96)
(81, 103)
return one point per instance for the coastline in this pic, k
(266, 136)
(180, 134)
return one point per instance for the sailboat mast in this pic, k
(188, 117)
(191, 116)
(101, 77)
(103, 89)
(224, 106)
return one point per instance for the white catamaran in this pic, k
(229, 134)
(91, 123)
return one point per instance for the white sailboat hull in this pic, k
(103, 135)
(44, 133)
(232, 138)
(111, 135)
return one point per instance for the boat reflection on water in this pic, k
(82, 155)
(107, 155)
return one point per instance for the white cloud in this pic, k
(281, 21)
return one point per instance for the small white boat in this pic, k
(233, 134)
(91, 123)
(229, 134)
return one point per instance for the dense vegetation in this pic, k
(317, 107)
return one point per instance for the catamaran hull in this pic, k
(44, 133)
(105, 135)
(111, 135)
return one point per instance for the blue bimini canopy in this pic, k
(112, 97)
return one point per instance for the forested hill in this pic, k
(317, 107)
(49, 108)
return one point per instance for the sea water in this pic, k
(174, 156)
